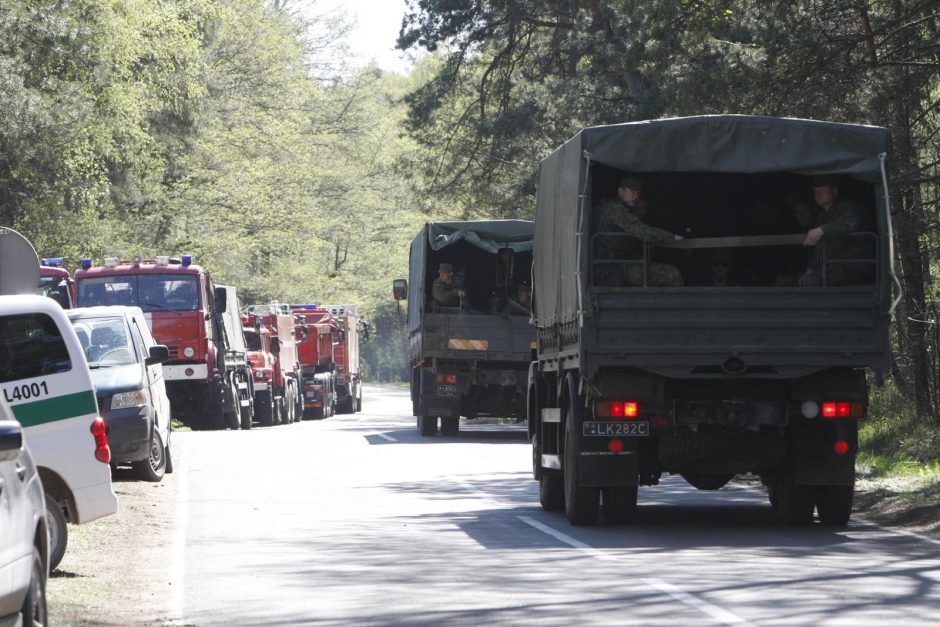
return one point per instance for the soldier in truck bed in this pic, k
(445, 291)
(624, 214)
(838, 216)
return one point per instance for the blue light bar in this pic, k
(53, 262)
(86, 263)
(187, 260)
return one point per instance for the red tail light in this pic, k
(616, 409)
(842, 409)
(447, 378)
(841, 447)
(615, 446)
(99, 429)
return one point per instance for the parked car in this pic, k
(126, 369)
(44, 377)
(24, 539)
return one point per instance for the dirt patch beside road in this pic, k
(911, 503)
(116, 570)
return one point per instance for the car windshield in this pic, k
(150, 292)
(106, 341)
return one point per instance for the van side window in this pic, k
(31, 345)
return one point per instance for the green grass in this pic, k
(894, 441)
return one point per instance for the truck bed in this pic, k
(487, 337)
(693, 332)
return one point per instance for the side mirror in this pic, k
(11, 440)
(158, 355)
(275, 345)
(221, 300)
(400, 289)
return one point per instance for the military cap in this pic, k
(445, 267)
(630, 181)
(825, 179)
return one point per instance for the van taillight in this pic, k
(99, 429)
(617, 409)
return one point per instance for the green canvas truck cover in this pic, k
(488, 235)
(718, 143)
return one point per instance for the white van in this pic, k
(46, 381)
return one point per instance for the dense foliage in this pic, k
(518, 77)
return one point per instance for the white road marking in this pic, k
(719, 614)
(178, 561)
(385, 437)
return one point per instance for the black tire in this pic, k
(796, 502)
(233, 416)
(834, 504)
(427, 425)
(215, 410)
(278, 411)
(552, 493)
(247, 411)
(154, 467)
(450, 426)
(264, 408)
(34, 610)
(619, 503)
(58, 532)
(581, 503)
(358, 407)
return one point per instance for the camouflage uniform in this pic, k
(615, 216)
(842, 218)
(445, 294)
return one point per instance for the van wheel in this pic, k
(34, 610)
(58, 532)
(154, 467)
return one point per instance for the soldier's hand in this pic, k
(813, 236)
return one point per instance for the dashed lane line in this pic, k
(719, 614)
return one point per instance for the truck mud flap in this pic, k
(608, 469)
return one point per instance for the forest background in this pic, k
(237, 131)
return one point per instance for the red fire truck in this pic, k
(207, 376)
(272, 334)
(346, 355)
(317, 360)
(55, 282)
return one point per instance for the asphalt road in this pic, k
(358, 520)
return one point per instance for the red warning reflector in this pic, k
(841, 447)
(615, 446)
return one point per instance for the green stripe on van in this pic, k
(58, 408)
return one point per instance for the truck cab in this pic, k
(207, 382)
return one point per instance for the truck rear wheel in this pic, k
(581, 503)
(619, 503)
(264, 406)
(427, 425)
(450, 426)
(233, 419)
(796, 502)
(834, 504)
(552, 493)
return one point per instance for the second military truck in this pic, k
(469, 358)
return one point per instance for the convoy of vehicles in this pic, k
(272, 333)
(348, 373)
(470, 360)
(207, 375)
(712, 378)
(316, 353)
(125, 367)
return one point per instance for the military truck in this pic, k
(471, 359)
(738, 369)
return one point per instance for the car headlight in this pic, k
(189, 351)
(128, 399)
